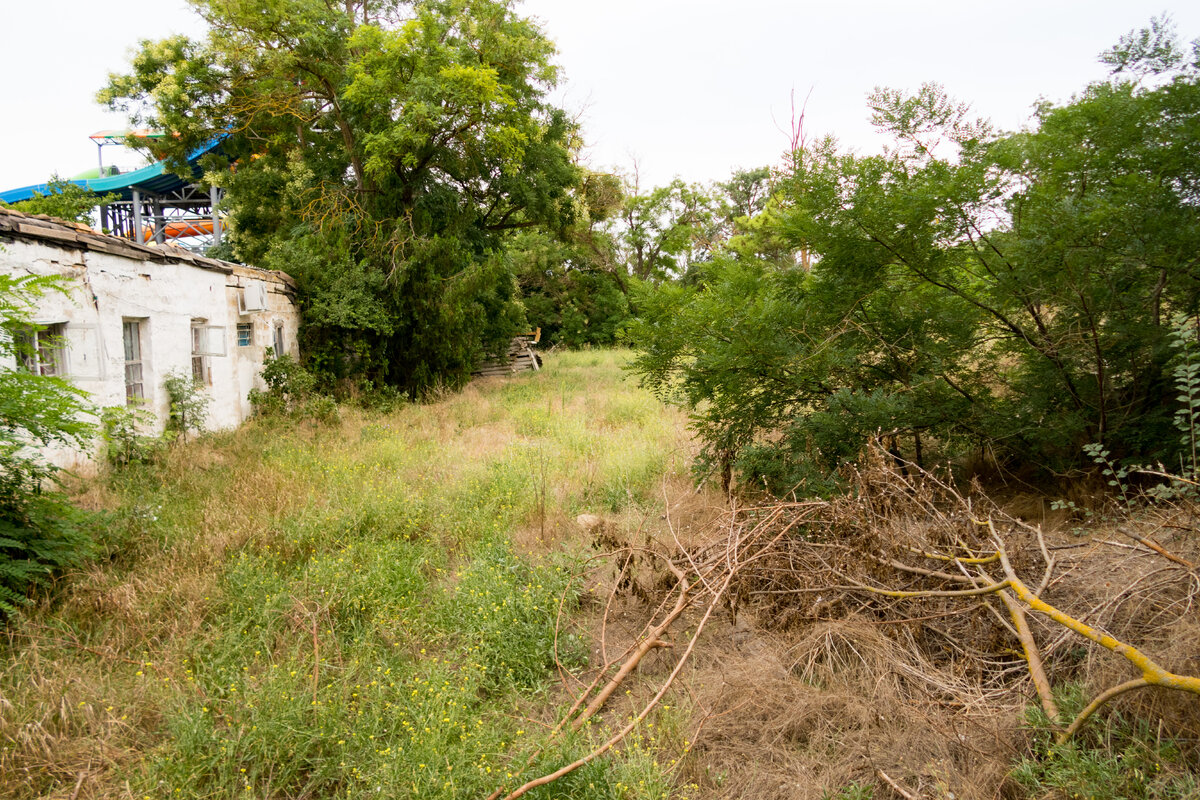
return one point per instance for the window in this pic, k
(279, 350)
(131, 333)
(245, 334)
(207, 341)
(40, 348)
(200, 369)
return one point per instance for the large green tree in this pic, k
(574, 284)
(379, 150)
(663, 231)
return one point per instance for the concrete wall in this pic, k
(167, 297)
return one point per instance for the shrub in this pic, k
(39, 531)
(124, 444)
(40, 534)
(1010, 293)
(189, 403)
(291, 391)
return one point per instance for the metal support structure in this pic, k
(136, 233)
(160, 224)
(186, 217)
(214, 198)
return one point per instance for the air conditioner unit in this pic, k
(253, 298)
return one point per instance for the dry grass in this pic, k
(807, 683)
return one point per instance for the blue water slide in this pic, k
(154, 179)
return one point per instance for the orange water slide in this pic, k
(181, 229)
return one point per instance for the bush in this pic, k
(39, 531)
(189, 403)
(291, 392)
(574, 300)
(124, 444)
(1003, 293)
(40, 534)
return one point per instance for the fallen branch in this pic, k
(900, 790)
(712, 572)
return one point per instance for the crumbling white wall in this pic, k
(166, 297)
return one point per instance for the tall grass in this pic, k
(366, 609)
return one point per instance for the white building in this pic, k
(133, 313)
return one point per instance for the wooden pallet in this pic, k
(521, 357)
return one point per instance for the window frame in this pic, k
(41, 348)
(134, 351)
(203, 339)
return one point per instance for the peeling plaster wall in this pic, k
(104, 290)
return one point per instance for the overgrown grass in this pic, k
(364, 609)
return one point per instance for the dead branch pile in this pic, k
(897, 632)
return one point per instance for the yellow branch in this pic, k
(1152, 672)
(989, 589)
(1101, 699)
(994, 557)
(1033, 656)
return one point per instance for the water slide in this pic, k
(151, 180)
(181, 229)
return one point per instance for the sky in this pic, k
(671, 88)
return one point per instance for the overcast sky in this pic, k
(693, 88)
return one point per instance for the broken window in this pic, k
(245, 334)
(131, 333)
(207, 341)
(40, 348)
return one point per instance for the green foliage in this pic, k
(40, 535)
(291, 392)
(671, 232)
(573, 299)
(1180, 479)
(1125, 759)
(189, 403)
(385, 152)
(506, 612)
(1185, 337)
(667, 229)
(39, 532)
(65, 200)
(125, 444)
(851, 791)
(961, 290)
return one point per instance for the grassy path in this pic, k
(361, 610)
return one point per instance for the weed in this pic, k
(505, 609)
(299, 611)
(124, 442)
(291, 392)
(189, 403)
(852, 791)
(1124, 759)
